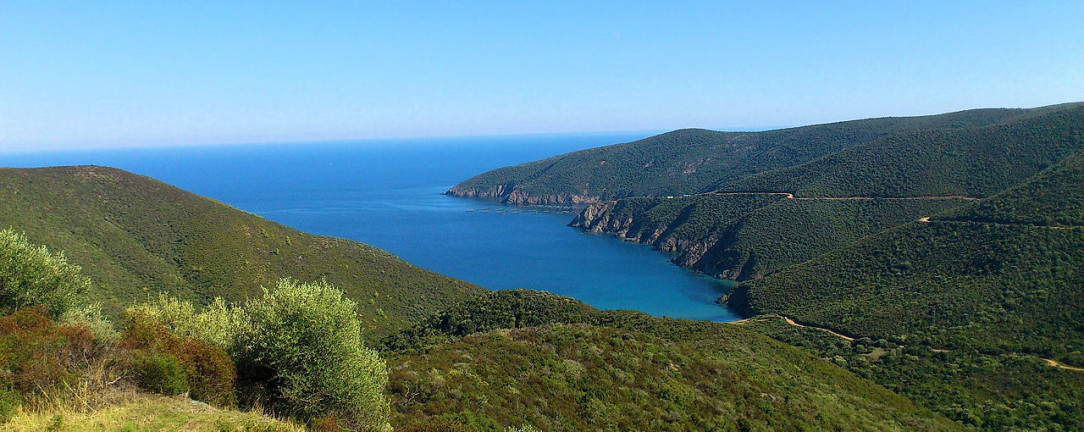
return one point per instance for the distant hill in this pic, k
(746, 229)
(974, 162)
(741, 237)
(511, 358)
(690, 161)
(136, 237)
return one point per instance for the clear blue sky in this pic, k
(97, 74)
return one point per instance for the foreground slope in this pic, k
(135, 237)
(695, 160)
(511, 358)
(146, 412)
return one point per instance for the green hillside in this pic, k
(978, 303)
(694, 160)
(975, 162)
(749, 236)
(621, 370)
(136, 237)
(1053, 198)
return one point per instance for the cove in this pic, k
(388, 194)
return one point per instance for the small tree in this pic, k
(31, 275)
(301, 354)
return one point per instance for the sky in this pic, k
(77, 75)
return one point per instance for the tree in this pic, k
(31, 275)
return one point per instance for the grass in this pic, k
(135, 411)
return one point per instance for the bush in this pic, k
(172, 364)
(39, 357)
(159, 372)
(297, 351)
(31, 275)
(300, 354)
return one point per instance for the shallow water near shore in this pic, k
(387, 193)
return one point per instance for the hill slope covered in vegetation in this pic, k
(690, 161)
(979, 295)
(514, 358)
(137, 237)
(746, 229)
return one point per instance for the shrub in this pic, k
(31, 275)
(301, 355)
(437, 424)
(167, 363)
(216, 324)
(159, 372)
(39, 357)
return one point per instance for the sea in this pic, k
(387, 193)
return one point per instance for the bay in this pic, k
(387, 193)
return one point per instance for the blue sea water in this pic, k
(387, 193)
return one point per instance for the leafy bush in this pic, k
(298, 351)
(31, 275)
(39, 357)
(300, 354)
(159, 372)
(172, 364)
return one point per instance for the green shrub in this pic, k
(9, 400)
(31, 275)
(301, 355)
(437, 424)
(159, 372)
(216, 324)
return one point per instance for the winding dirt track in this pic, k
(1049, 362)
(789, 195)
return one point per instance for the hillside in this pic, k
(746, 229)
(979, 303)
(136, 237)
(694, 160)
(744, 236)
(976, 162)
(147, 412)
(955, 281)
(1052, 198)
(511, 358)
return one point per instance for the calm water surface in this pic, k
(387, 194)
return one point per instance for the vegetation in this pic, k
(748, 236)
(146, 412)
(976, 297)
(298, 352)
(137, 237)
(301, 355)
(1052, 198)
(621, 370)
(31, 275)
(975, 162)
(693, 160)
(989, 391)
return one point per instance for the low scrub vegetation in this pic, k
(296, 351)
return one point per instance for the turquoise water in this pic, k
(387, 194)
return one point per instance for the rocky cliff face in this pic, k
(508, 194)
(700, 254)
